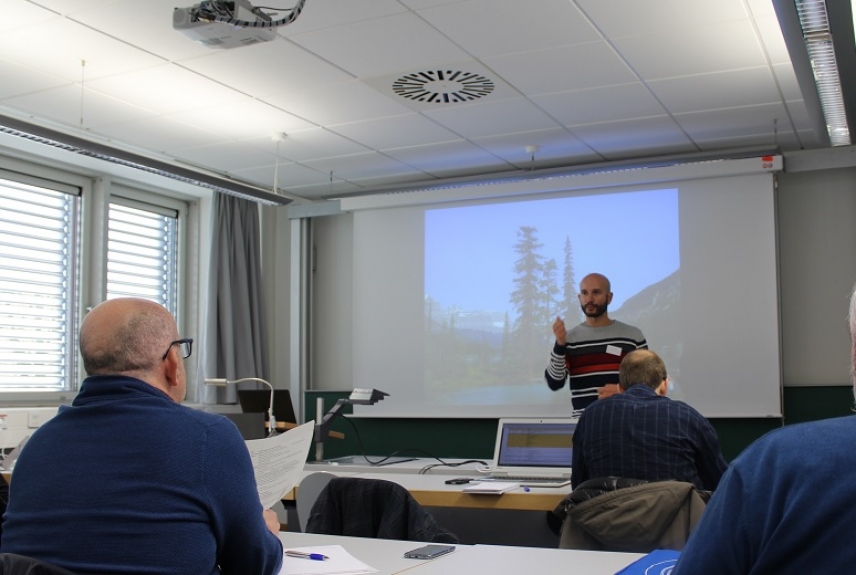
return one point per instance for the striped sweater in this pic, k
(590, 359)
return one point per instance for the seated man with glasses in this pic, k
(126, 479)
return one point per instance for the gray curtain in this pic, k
(238, 308)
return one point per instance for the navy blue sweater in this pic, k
(125, 480)
(784, 506)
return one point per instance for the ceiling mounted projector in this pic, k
(230, 24)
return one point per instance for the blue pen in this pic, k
(304, 555)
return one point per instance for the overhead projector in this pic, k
(222, 35)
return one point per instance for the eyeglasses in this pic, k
(185, 347)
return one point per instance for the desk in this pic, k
(387, 556)
(508, 560)
(514, 518)
(430, 490)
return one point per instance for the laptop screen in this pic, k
(531, 443)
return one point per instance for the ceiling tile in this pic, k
(486, 28)
(288, 175)
(617, 18)
(492, 118)
(242, 119)
(613, 138)
(563, 68)
(712, 91)
(338, 104)
(787, 81)
(19, 14)
(553, 144)
(773, 40)
(158, 134)
(68, 105)
(18, 80)
(149, 28)
(442, 160)
(401, 43)
(735, 122)
(369, 165)
(166, 89)
(600, 104)
(64, 48)
(277, 67)
(395, 132)
(333, 13)
(228, 156)
(315, 144)
(704, 49)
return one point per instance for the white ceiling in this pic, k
(585, 81)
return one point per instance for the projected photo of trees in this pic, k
(496, 276)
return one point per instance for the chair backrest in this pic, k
(359, 507)
(13, 564)
(308, 490)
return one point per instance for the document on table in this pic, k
(339, 562)
(491, 487)
(278, 461)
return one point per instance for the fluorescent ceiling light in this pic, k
(814, 21)
(820, 38)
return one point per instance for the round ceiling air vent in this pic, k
(443, 86)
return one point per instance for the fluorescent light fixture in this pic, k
(819, 35)
(814, 21)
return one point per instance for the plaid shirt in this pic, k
(641, 435)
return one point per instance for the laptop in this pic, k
(258, 400)
(534, 450)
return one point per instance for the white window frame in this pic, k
(97, 190)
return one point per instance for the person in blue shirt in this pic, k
(642, 434)
(785, 506)
(126, 480)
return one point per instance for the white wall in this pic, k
(22, 421)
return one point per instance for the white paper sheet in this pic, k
(340, 562)
(278, 461)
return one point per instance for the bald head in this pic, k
(598, 280)
(126, 336)
(641, 366)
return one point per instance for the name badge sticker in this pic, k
(613, 350)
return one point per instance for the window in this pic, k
(65, 245)
(39, 227)
(142, 252)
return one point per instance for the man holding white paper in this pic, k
(126, 480)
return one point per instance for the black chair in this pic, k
(12, 564)
(375, 508)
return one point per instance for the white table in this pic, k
(387, 556)
(508, 560)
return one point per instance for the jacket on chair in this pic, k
(612, 514)
(373, 508)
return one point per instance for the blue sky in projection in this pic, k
(631, 237)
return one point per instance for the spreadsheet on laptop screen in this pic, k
(536, 444)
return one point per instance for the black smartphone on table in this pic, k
(429, 551)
